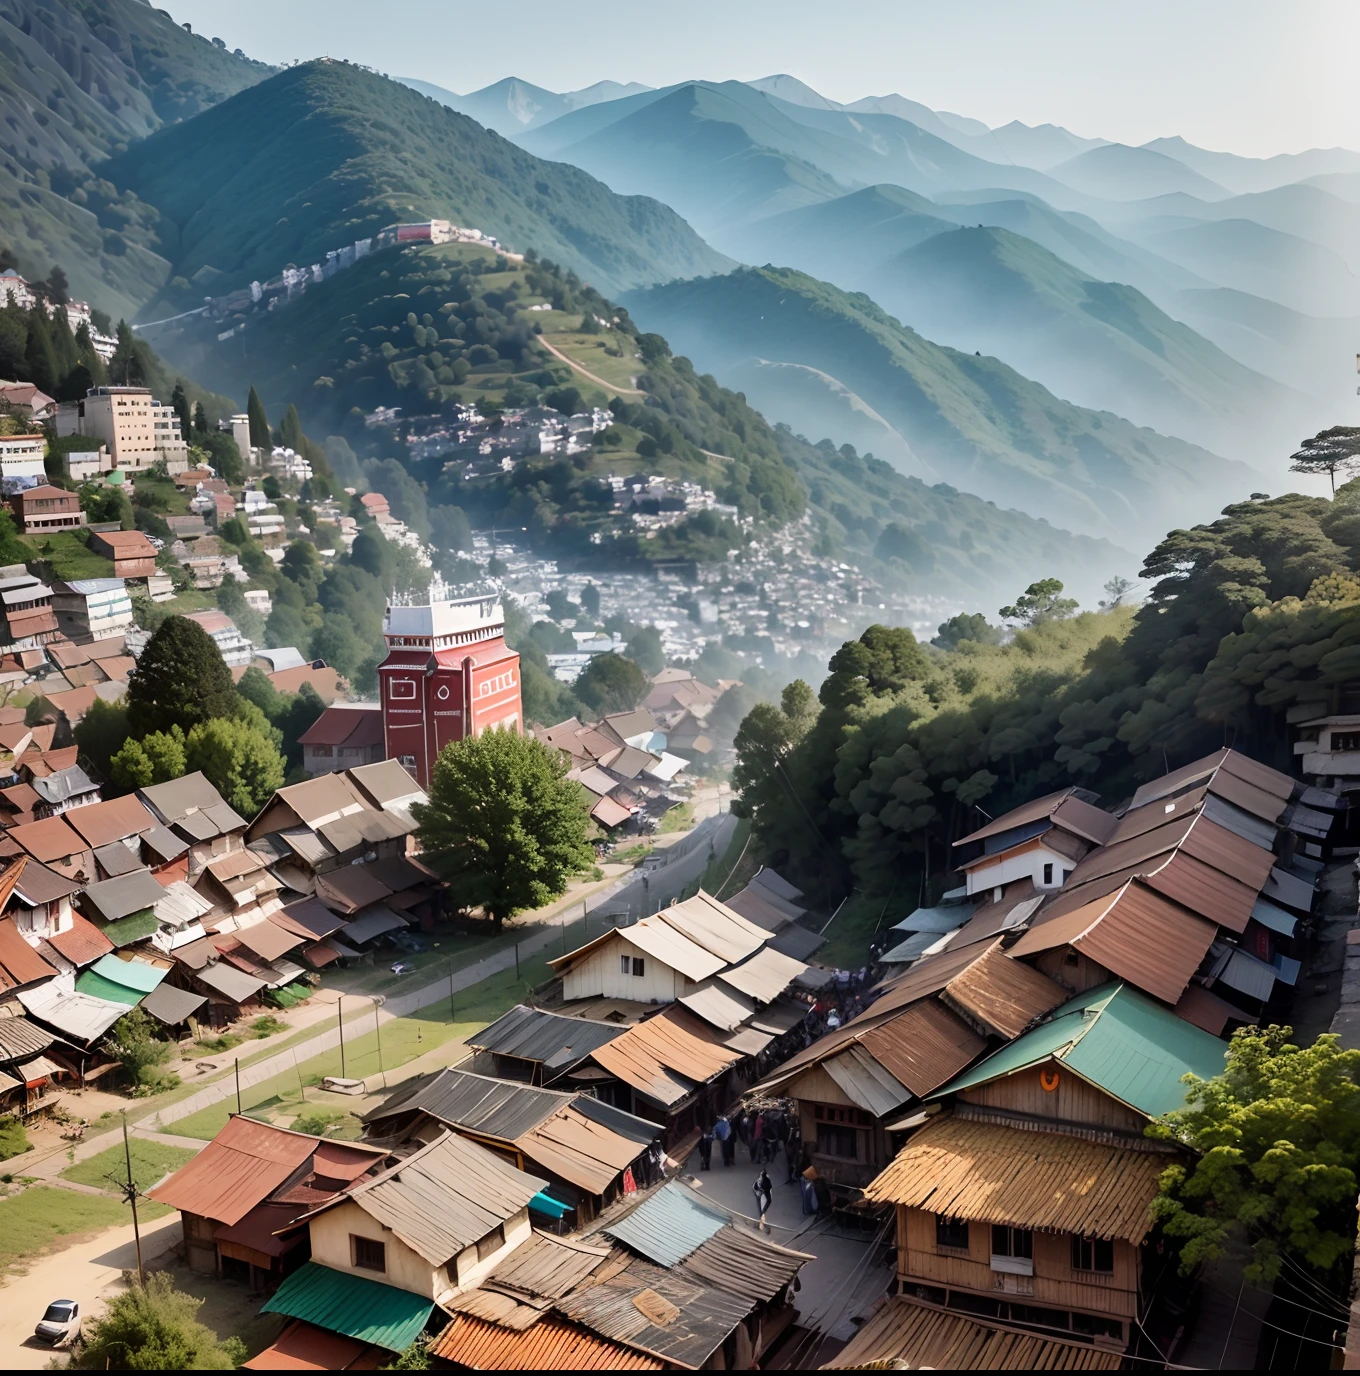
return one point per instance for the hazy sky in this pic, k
(1249, 76)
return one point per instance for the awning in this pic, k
(173, 1006)
(545, 1204)
(366, 1310)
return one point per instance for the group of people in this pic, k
(766, 1133)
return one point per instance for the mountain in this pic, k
(1094, 342)
(990, 430)
(1041, 146)
(512, 105)
(1241, 174)
(1117, 172)
(326, 152)
(796, 92)
(78, 81)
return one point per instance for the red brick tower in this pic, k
(448, 674)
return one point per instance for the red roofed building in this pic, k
(46, 508)
(448, 674)
(343, 735)
(133, 555)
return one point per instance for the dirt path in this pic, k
(585, 372)
(85, 1271)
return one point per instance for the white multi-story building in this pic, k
(21, 462)
(137, 430)
(92, 608)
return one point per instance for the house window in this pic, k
(1048, 875)
(1346, 740)
(369, 1255)
(638, 967)
(1093, 1254)
(834, 1140)
(1013, 1250)
(632, 965)
(401, 688)
(951, 1233)
(491, 1243)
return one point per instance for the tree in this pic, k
(240, 762)
(1040, 602)
(611, 683)
(179, 403)
(154, 1327)
(590, 601)
(99, 734)
(561, 607)
(1116, 590)
(644, 649)
(1277, 1138)
(259, 421)
(155, 759)
(200, 420)
(504, 826)
(57, 288)
(1329, 451)
(966, 626)
(133, 1043)
(180, 680)
(450, 529)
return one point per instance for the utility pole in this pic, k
(237, 1064)
(340, 1025)
(377, 1035)
(130, 1197)
(452, 1014)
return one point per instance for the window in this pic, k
(834, 1140)
(1013, 1250)
(1048, 874)
(1092, 1254)
(625, 965)
(638, 966)
(951, 1233)
(369, 1255)
(491, 1243)
(407, 762)
(1346, 740)
(401, 688)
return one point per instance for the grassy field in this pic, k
(33, 1221)
(151, 1161)
(591, 351)
(68, 556)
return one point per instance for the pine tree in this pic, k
(200, 420)
(179, 401)
(291, 430)
(259, 422)
(180, 680)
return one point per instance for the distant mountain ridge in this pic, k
(511, 105)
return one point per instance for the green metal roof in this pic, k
(1118, 1039)
(131, 974)
(98, 987)
(366, 1310)
(129, 929)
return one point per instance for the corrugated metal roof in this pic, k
(366, 1310)
(1269, 807)
(534, 1035)
(738, 1260)
(502, 1109)
(917, 1337)
(714, 926)
(924, 1047)
(446, 1196)
(172, 1006)
(1290, 890)
(79, 1016)
(267, 940)
(116, 859)
(865, 1082)
(764, 976)
(552, 1344)
(1207, 1011)
(304, 1347)
(227, 980)
(1202, 889)
(100, 824)
(1241, 970)
(1119, 1040)
(309, 918)
(935, 920)
(666, 1056)
(1037, 809)
(667, 1226)
(373, 921)
(798, 943)
(777, 884)
(992, 1173)
(1276, 919)
(245, 1163)
(96, 986)
(579, 1150)
(760, 907)
(706, 1317)
(1002, 993)
(136, 975)
(719, 1006)
(1238, 821)
(113, 899)
(914, 947)
(19, 962)
(20, 1039)
(547, 1267)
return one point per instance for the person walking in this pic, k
(764, 1192)
(706, 1149)
(722, 1131)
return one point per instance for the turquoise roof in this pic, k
(97, 987)
(1121, 1041)
(366, 1310)
(667, 1227)
(131, 974)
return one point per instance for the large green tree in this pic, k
(611, 683)
(1276, 1138)
(154, 1327)
(1330, 451)
(242, 763)
(180, 680)
(504, 826)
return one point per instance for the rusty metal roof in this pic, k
(927, 1045)
(446, 1196)
(552, 1344)
(1135, 933)
(666, 1056)
(100, 824)
(910, 1336)
(1046, 1181)
(742, 1262)
(1001, 994)
(239, 1168)
(1036, 810)
(720, 1007)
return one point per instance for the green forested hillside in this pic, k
(326, 152)
(79, 79)
(975, 420)
(1246, 617)
(424, 328)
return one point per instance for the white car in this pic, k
(60, 1323)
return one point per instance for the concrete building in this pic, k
(235, 648)
(345, 734)
(133, 555)
(240, 432)
(137, 430)
(92, 608)
(448, 674)
(21, 462)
